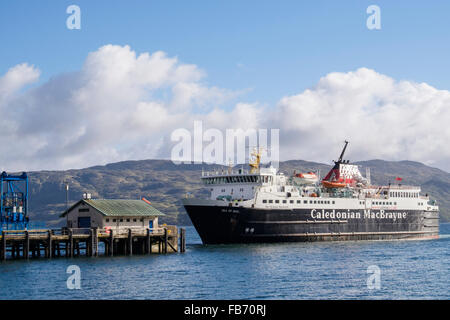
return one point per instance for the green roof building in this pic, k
(112, 213)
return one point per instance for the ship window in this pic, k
(395, 203)
(333, 201)
(310, 201)
(292, 201)
(315, 201)
(277, 201)
(264, 201)
(305, 201)
(270, 201)
(284, 201)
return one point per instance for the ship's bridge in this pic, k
(232, 183)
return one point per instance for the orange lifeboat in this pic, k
(330, 184)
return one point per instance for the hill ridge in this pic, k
(165, 183)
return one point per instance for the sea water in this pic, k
(321, 270)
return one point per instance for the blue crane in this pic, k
(13, 202)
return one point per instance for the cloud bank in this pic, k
(123, 106)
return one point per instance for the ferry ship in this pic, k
(260, 204)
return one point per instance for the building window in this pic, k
(107, 220)
(83, 210)
(128, 220)
(121, 220)
(134, 220)
(114, 220)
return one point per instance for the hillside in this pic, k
(164, 183)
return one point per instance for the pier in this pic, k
(73, 242)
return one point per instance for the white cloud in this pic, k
(118, 106)
(121, 106)
(382, 118)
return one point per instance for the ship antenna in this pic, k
(342, 153)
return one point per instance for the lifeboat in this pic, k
(330, 184)
(306, 178)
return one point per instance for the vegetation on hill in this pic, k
(165, 183)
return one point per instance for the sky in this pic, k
(117, 88)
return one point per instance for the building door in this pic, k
(150, 224)
(84, 222)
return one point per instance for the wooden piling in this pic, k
(182, 240)
(130, 243)
(70, 246)
(26, 245)
(49, 244)
(166, 239)
(111, 243)
(159, 244)
(53, 246)
(95, 242)
(3, 249)
(90, 243)
(147, 242)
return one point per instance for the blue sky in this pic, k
(275, 48)
(311, 69)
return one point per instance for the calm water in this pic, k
(327, 270)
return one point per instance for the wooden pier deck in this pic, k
(67, 242)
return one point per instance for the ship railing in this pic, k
(226, 172)
(124, 230)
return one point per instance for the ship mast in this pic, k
(254, 165)
(342, 153)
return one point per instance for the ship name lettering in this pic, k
(334, 214)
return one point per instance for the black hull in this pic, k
(222, 225)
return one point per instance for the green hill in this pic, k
(165, 183)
